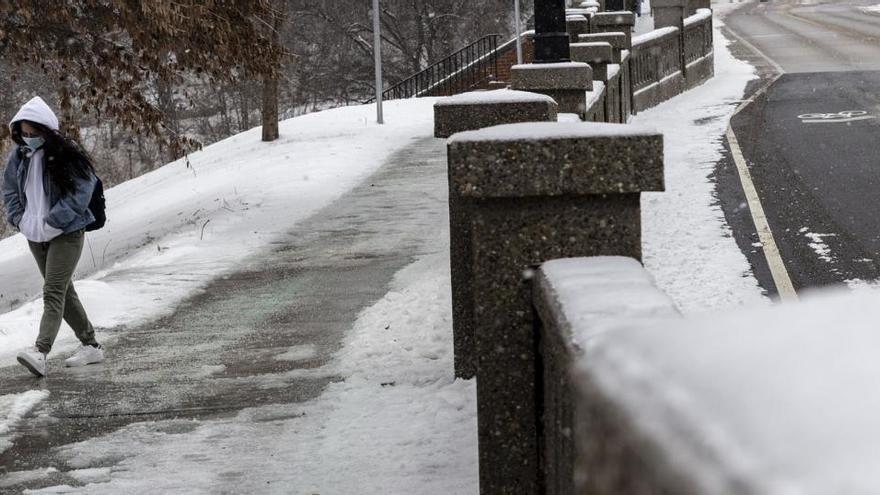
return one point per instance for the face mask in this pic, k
(34, 143)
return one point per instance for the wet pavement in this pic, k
(252, 338)
(816, 172)
(812, 36)
(811, 159)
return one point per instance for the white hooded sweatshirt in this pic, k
(33, 223)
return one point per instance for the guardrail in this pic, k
(668, 61)
(698, 36)
(467, 68)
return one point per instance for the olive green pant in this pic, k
(57, 260)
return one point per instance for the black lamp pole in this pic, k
(551, 36)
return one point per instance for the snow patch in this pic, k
(687, 245)
(13, 407)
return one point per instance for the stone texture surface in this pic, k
(523, 201)
(599, 51)
(565, 76)
(668, 13)
(613, 104)
(596, 113)
(614, 22)
(657, 93)
(613, 159)
(700, 71)
(598, 55)
(585, 450)
(576, 25)
(623, 18)
(618, 41)
(510, 236)
(566, 83)
(626, 89)
(450, 118)
(694, 5)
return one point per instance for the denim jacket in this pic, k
(70, 211)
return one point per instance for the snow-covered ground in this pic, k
(179, 227)
(688, 246)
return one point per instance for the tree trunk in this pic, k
(269, 112)
(270, 108)
(244, 108)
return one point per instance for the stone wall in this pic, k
(665, 63)
(520, 195)
(587, 446)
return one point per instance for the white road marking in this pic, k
(752, 47)
(837, 121)
(835, 118)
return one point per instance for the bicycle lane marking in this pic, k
(835, 118)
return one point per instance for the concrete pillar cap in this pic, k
(596, 52)
(555, 159)
(617, 40)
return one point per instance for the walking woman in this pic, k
(47, 186)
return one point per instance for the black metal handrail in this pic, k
(456, 73)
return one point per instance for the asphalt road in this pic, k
(812, 35)
(223, 350)
(810, 139)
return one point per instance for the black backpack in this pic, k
(98, 207)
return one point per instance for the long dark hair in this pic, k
(63, 158)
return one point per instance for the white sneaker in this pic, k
(34, 360)
(86, 354)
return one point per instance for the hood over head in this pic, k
(36, 110)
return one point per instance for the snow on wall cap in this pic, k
(553, 65)
(586, 12)
(597, 292)
(623, 17)
(701, 15)
(780, 398)
(654, 35)
(534, 131)
(494, 96)
(36, 110)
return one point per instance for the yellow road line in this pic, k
(780, 275)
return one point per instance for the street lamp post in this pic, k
(519, 57)
(377, 53)
(551, 38)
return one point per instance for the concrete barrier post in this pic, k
(618, 41)
(576, 25)
(668, 13)
(469, 111)
(478, 109)
(695, 5)
(567, 83)
(600, 56)
(614, 22)
(535, 192)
